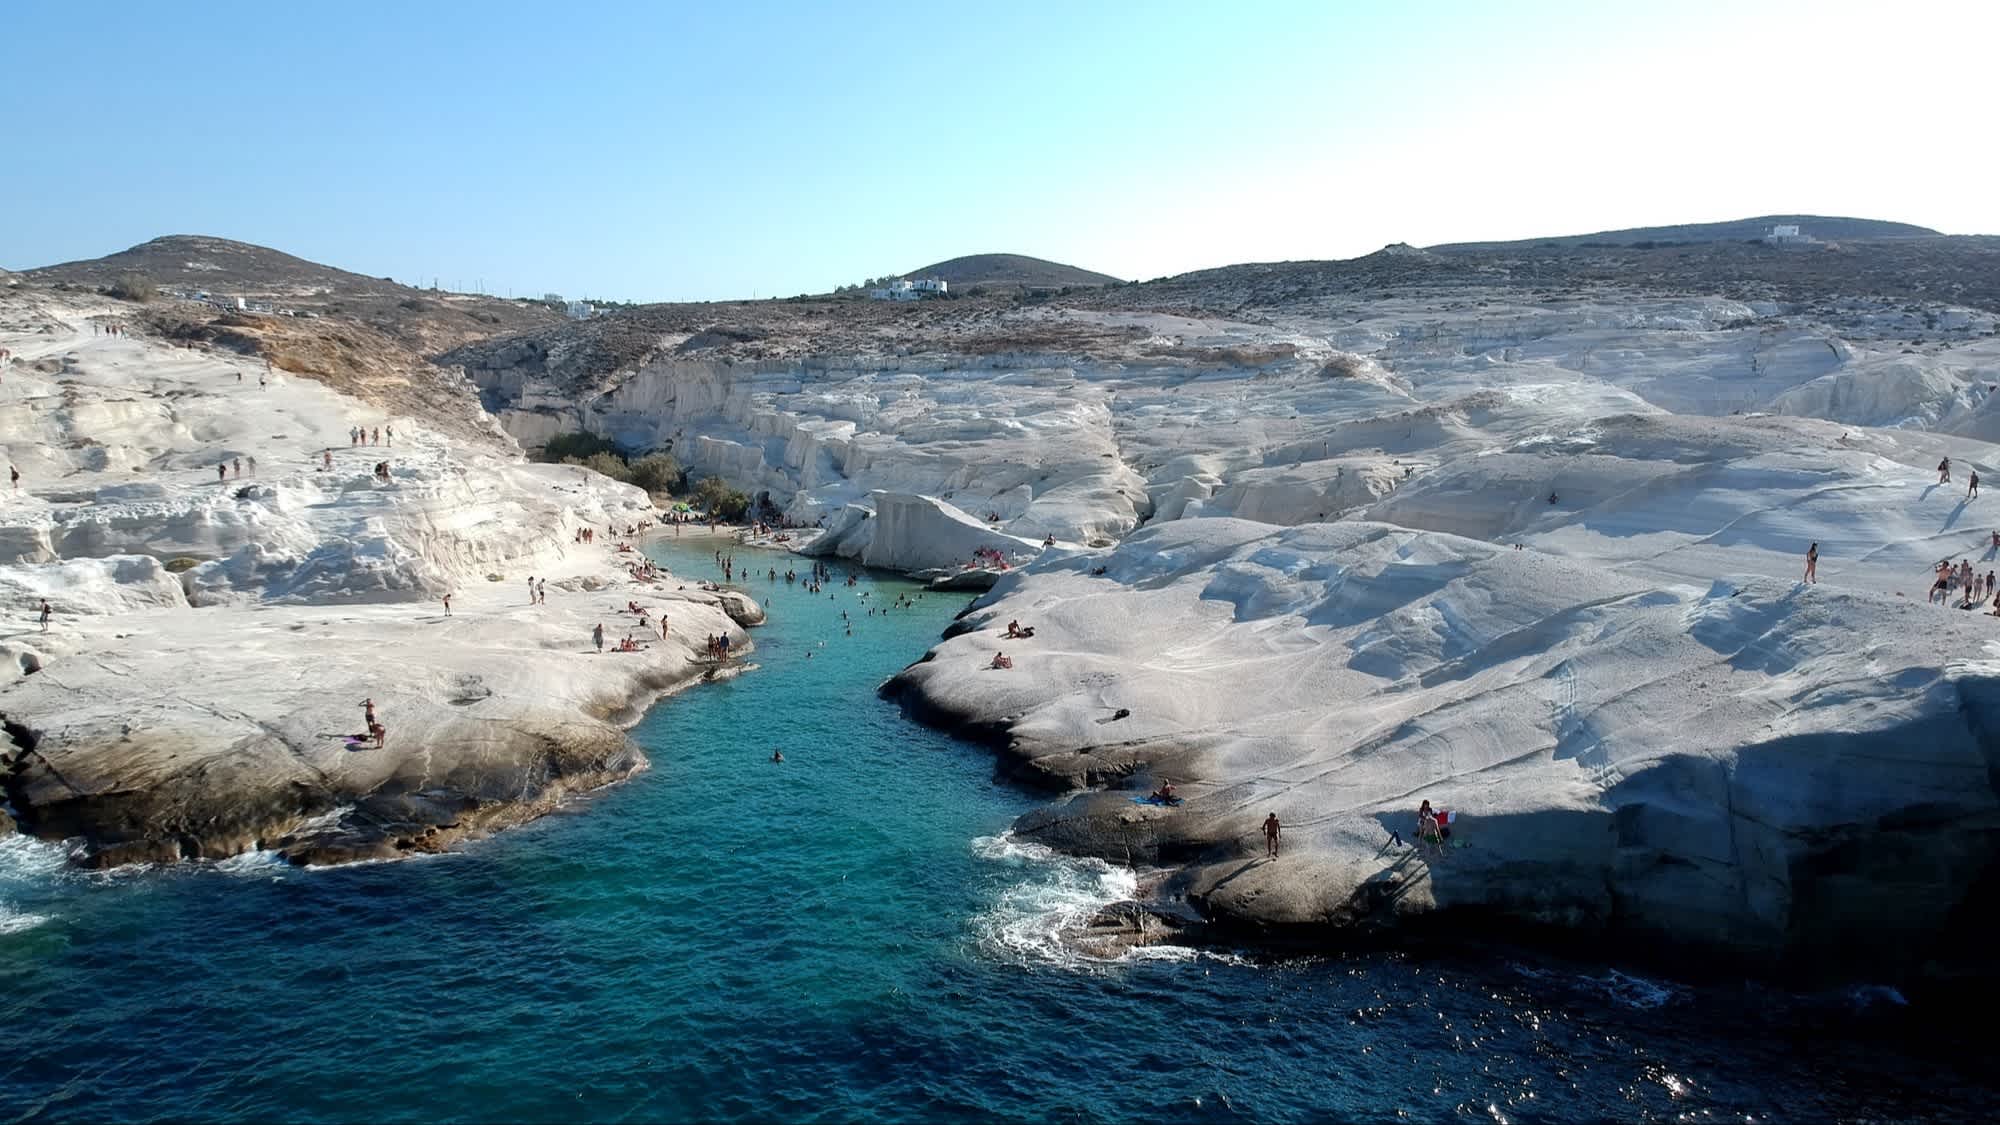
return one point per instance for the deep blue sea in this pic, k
(849, 935)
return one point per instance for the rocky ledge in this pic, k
(1796, 780)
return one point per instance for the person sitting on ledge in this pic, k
(1000, 660)
(1165, 793)
(1013, 629)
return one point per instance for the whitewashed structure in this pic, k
(903, 290)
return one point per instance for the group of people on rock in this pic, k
(1971, 483)
(375, 728)
(988, 557)
(226, 469)
(362, 435)
(1973, 589)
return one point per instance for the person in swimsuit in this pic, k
(1271, 832)
(1812, 563)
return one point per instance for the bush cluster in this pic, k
(131, 287)
(715, 496)
(657, 473)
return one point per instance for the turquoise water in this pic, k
(846, 935)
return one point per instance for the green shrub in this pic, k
(564, 447)
(610, 464)
(656, 473)
(132, 287)
(183, 563)
(719, 499)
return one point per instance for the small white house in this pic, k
(1784, 233)
(579, 310)
(901, 290)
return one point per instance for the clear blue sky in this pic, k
(685, 151)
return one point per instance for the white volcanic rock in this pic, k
(1740, 764)
(201, 708)
(1540, 568)
(925, 533)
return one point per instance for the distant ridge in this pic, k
(1825, 227)
(200, 261)
(1010, 271)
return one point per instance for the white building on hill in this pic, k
(579, 310)
(1784, 234)
(901, 290)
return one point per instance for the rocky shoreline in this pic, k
(1861, 851)
(216, 627)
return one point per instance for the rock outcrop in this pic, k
(1799, 777)
(199, 689)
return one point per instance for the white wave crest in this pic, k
(1033, 920)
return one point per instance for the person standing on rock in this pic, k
(222, 473)
(390, 433)
(1944, 471)
(236, 467)
(1812, 563)
(14, 476)
(326, 459)
(45, 615)
(531, 589)
(368, 711)
(1972, 486)
(1271, 832)
(447, 605)
(597, 635)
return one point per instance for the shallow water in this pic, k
(849, 934)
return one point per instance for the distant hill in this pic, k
(417, 321)
(1010, 271)
(1824, 227)
(194, 261)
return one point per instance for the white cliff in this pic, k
(212, 636)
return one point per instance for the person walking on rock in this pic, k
(1271, 832)
(447, 605)
(531, 589)
(14, 476)
(1972, 485)
(1812, 563)
(542, 592)
(597, 635)
(1944, 471)
(45, 615)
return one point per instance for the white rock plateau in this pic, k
(1536, 562)
(212, 640)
